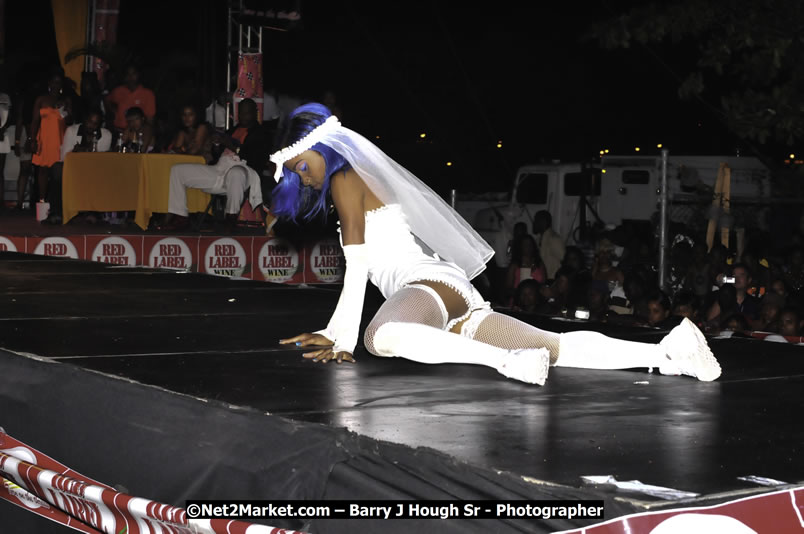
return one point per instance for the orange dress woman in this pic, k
(51, 112)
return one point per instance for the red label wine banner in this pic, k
(43, 486)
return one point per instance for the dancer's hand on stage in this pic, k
(325, 355)
(306, 340)
(321, 355)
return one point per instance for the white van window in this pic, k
(532, 189)
(636, 177)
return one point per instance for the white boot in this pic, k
(683, 351)
(688, 353)
(426, 344)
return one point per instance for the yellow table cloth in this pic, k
(110, 181)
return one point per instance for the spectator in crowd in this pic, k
(604, 268)
(779, 287)
(698, 279)
(6, 120)
(85, 137)
(659, 310)
(716, 261)
(747, 304)
(576, 262)
(232, 174)
(597, 300)
(680, 271)
(737, 323)
(558, 292)
(194, 137)
(790, 322)
(51, 114)
(528, 297)
(638, 255)
(770, 307)
(760, 273)
(129, 95)
(519, 231)
(138, 135)
(550, 244)
(525, 263)
(574, 259)
(635, 289)
(686, 304)
(724, 305)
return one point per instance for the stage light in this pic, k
(636, 149)
(422, 135)
(499, 144)
(792, 156)
(606, 151)
(602, 171)
(659, 145)
(449, 164)
(602, 152)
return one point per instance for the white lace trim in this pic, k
(380, 209)
(304, 144)
(469, 328)
(471, 307)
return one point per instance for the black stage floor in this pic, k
(267, 424)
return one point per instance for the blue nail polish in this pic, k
(298, 343)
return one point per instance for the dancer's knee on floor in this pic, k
(381, 340)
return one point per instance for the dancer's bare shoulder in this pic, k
(349, 183)
(348, 194)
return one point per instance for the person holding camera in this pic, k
(733, 297)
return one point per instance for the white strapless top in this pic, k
(397, 259)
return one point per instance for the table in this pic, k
(110, 181)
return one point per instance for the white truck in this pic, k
(618, 189)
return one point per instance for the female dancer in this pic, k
(432, 313)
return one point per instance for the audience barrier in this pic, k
(43, 486)
(257, 258)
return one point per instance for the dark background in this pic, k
(521, 73)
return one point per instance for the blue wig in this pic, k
(291, 198)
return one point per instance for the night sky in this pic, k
(468, 77)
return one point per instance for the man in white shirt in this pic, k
(216, 112)
(81, 137)
(85, 137)
(551, 246)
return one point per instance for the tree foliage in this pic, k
(747, 63)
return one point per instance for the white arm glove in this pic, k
(344, 325)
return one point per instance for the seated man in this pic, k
(236, 170)
(85, 137)
(138, 135)
(88, 136)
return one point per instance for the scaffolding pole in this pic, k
(663, 225)
(239, 39)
